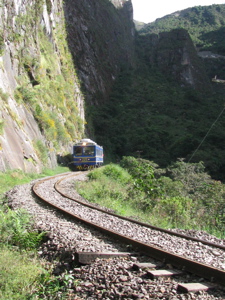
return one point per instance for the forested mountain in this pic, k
(202, 22)
(163, 108)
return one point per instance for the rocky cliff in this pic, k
(39, 88)
(174, 54)
(101, 40)
(54, 56)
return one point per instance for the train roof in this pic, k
(87, 142)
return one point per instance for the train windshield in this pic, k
(78, 151)
(84, 150)
(89, 150)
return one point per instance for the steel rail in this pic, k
(202, 270)
(57, 187)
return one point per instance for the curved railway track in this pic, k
(61, 191)
(195, 267)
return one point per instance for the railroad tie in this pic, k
(89, 257)
(144, 266)
(193, 287)
(163, 273)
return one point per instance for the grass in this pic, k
(105, 189)
(169, 206)
(23, 275)
(13, 177)
(109, 193)
(19, 274)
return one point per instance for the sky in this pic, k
(147, 10)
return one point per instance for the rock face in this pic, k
(17, 150)
(173, 53)
(19, 129)
(178, 57)
(42, 87)
(101, 39)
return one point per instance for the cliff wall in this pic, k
(39, 88)
(54, 56)
(101, 40)
(173, 53)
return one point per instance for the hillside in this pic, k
(163, 108)
(205, 24)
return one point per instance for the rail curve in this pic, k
(200, 269)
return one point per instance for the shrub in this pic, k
(112, 171)
(177, 210)
(187, 197)
(41, 151)
(142, 172)
(96, 174)
(104, 190)
(117, 173)
(15, 230)
(25, 94)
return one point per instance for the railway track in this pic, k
(203, 270)
(59, 188)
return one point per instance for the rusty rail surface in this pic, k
(202, 270)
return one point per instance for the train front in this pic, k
(87, 155)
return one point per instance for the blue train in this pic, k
(87, 155)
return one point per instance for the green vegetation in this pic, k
(41, 151)
(47, 80)
(2, 45)
(15, 230)
(19, 273)
(48, 92)
(151, 116)
(182, 195)
(22, 274)
(151, 112)
(204, 23)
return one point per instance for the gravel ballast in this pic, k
(108, 278)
